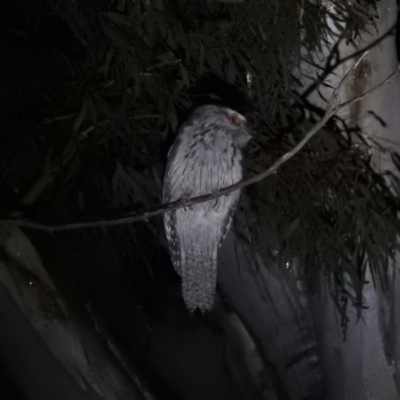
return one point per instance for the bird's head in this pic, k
(229, 121)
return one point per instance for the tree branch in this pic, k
(333, 106)
(329, 68)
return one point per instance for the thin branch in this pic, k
(333, 106)
(51, 172)
(328, 69)
(375, 88)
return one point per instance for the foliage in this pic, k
(135, 68)
(331, 209)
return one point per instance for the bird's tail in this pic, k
(199, 279)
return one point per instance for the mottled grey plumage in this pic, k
(205, 157)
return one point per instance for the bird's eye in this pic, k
(234, 118)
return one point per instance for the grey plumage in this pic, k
(205, 157)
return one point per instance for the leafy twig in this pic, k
(51, 172)
(329, 68)
(333, 106)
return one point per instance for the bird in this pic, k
(205, 157)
